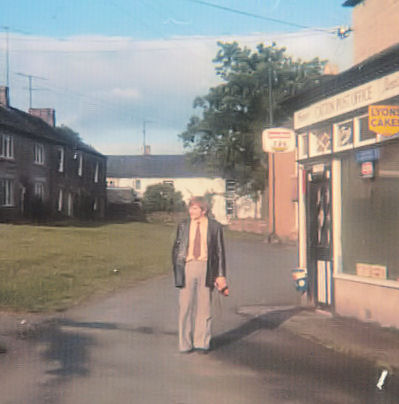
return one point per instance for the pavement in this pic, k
(355, 338)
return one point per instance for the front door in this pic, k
(319, 235)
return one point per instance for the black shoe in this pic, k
(187, 352)
(203, 351)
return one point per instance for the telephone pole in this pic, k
(7, 31)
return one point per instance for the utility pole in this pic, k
(271, 122)
(144, 135)
(7, 32)
(30, 77)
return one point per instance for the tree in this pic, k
(69, 134)
(226, 135)
(162, 198)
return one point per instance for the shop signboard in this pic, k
(278, 140)
(384, 119)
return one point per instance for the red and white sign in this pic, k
(367, 169)
(278, 140)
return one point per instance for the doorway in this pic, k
(319, 234)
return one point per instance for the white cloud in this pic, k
(105, 87)
(126, 93)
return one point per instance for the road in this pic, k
(123, 349)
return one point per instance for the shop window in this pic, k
(370, 218)
(320, 141)
(303, 146)
(343, 135)
(363, 135)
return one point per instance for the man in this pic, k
(199, 265)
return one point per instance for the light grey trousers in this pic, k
(195, 309)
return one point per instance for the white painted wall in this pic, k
(187, 186)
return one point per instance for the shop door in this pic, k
(320, 237)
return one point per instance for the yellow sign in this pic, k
(384, 119)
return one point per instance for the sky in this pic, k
(123, 71)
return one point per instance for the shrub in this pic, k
(162, 198)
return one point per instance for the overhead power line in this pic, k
(253, 15)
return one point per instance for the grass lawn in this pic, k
(52, 268)
(45, 269)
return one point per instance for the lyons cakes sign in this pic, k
(384, 119)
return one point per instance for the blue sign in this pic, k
(367, 155)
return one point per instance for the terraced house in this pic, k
(46, 172)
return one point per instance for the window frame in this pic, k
(7, 147)
(39, 190)
(61, 159)
(7, 192)
(39, 154)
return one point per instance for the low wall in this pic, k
(249, 226)
(367, 302)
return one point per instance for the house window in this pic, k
(39, 190)
(60, 159)
(96, 172)
(6, 147)
(229, 207)
(60, 200)
(230, 186)
(39, 153)
(138, 184)
(6, 192)
(70, 204)
(169, 182)
(80, 164)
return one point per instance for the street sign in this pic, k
(384, 119)
(278, 140)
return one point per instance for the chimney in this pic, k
(147, 150)
(47, 114)
(4, 96)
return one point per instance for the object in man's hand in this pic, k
(224, 291)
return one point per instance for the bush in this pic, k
(162, 198)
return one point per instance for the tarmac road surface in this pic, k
(123, 349)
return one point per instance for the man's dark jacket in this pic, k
(216, 264)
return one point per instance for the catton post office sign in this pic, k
(384, 119)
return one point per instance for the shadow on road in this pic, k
(267, 321)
